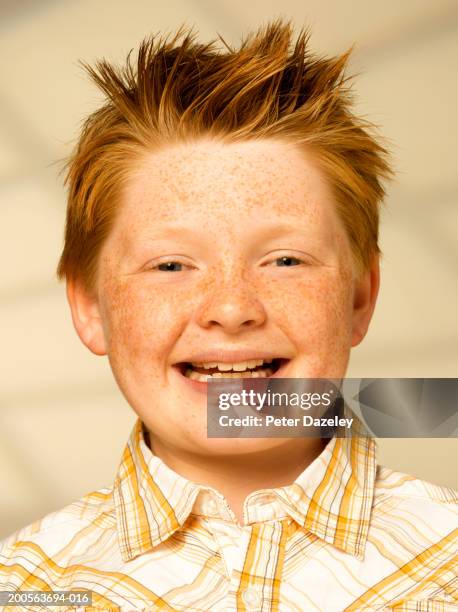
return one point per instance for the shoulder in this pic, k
(393, 483)
(62, 530)
(406, 496)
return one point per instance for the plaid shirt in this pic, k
(346, 535)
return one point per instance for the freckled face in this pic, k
(194, 262)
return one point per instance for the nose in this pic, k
(233, 306)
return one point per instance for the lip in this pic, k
(202, 387)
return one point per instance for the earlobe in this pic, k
(364, 299)
(86, 317)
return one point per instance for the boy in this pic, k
(223, 219)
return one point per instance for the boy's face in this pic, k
(223, 216)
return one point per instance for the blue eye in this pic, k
(168, 266)
(286, 261)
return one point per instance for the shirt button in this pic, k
(252, 598)
(212, 507)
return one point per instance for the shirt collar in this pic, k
(332, 497)
(152, 501)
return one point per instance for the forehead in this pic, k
(215, 177)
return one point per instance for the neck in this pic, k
(236, 476)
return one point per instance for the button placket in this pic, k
(263, 565)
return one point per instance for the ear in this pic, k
(86, 317)
(364, 299)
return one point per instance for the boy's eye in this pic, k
(169, 266)
(176, 266)
(287, 261)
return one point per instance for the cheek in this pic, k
(317, 310)
(142, 323)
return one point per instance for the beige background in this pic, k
(63, 423)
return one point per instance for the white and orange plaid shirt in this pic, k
(346, 535)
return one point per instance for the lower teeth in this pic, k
(247, 374)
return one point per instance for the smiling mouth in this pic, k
(250, 369)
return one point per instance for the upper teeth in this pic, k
(240, 366)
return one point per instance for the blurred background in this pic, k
(63, 422)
